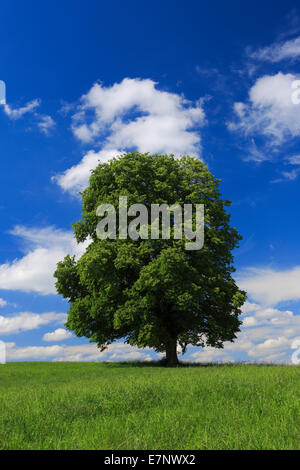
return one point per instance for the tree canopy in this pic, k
(153, 293)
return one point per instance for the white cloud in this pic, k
(269, 286)
(273, 344)
(294, 159)
(269, 111)
(259, 341)
(249, 321)
(43, 248)
(17, 113)
(31, 352)
(250, 307)
(209, 355)
(46, 124)
(129, 115)
(87, 352)
(28, 321)
(58, 335)
(253, 153)
(3, 303)
(268, 316)
(269, 340)
(267, 333)
(76, 178)
(278, 51)
(291, 175)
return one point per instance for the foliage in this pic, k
(153, 292)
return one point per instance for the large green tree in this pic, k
(149, 292)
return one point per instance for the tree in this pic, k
(153, 293)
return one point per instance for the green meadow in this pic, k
(145, 406)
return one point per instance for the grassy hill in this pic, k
(142, 406)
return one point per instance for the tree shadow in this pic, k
(185, 364)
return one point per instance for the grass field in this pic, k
(130, 406)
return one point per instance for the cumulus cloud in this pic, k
(269, 286)
(17, 113)
(28, 321)
(270, 337)
(269, 111)
(278, 51)
(267, 333)
(43, 248)
(3, 303)
(76, 178)
(266, 336)
(268, 316)
(87, 352)
(58, 335)
(209, 355)
(132, 115)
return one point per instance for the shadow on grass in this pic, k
(184, 364)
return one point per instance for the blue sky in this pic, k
(88, 80)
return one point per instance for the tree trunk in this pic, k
(171, 353)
